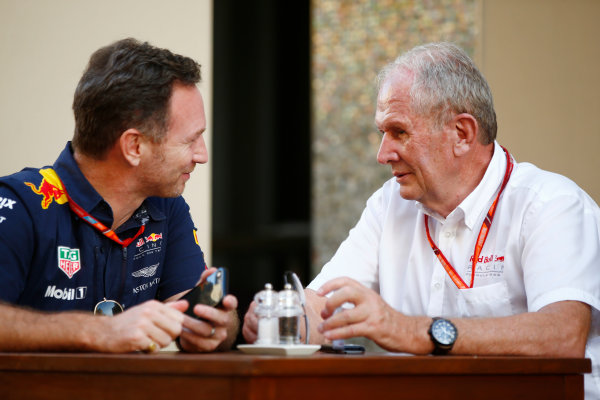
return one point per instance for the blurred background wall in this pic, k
(540, 58)
(351, 42)
(289, 89)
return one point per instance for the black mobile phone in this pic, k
(346, 349)
(209, 292)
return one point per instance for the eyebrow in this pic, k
(198, 133)
(395, 122)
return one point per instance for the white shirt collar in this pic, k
(480, 199)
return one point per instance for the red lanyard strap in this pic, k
(481, 238)
(109, 233)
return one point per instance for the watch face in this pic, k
(443, 331)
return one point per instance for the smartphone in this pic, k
(209, 292)
(346, 349)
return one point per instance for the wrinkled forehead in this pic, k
(395, 87)
(393, 99)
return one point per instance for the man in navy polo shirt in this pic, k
(105, 228)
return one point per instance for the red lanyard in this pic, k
(109, 233)
(483, 232)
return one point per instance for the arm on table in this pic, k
(133, 330)
(559, 329)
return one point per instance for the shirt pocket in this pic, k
(485, 301)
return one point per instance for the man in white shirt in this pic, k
(464, 251)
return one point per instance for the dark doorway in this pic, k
(261, 143)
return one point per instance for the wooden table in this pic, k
(177, 376)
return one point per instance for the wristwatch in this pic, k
(443, 334)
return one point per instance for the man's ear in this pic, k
(467, 129)
(131, 144)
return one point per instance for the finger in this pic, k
(345, 332)
(199, 327)
(250, 328)
(166, 317)
(216, 316)
(179, 305)
(337, 319)
(249, 331)
(166, 324)
(249, 336)
(251, 319)
(230, 302)
(152, 347)
(343, 297)
(334, 284)
(200, 336)
(149, 322)
(171, 312)
(196, 343)
(206, 273)
(160, 337)
(127, 332)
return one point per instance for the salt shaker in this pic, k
(266, 311)
(289, 311)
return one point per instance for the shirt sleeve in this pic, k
(184, 261)
(561, 236)
(16, 244)
(358, 255)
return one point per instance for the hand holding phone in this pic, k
(209, 292)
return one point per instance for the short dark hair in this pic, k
(127, 84)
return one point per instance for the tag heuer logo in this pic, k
(68, 260)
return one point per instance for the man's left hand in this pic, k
(216, 330)
(217, 327)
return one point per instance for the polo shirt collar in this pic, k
(84, 194)
(76, 184)
(481, 198)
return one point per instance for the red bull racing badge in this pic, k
(50, 188)
(153, 237)
(69, 260)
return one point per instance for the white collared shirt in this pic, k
(543, 247)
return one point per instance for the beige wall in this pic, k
(541, 59)
(44, 47)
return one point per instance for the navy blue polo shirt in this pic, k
(50, 259)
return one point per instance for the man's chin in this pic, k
(175, 192)
(408, 194)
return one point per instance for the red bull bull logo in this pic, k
(51, 188)
(153, 237)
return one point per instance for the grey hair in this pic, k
(446, 82)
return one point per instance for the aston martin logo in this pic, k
(146, 272)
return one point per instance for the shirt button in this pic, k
(437, 286)
(448, 234)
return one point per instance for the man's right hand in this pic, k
(146, 327)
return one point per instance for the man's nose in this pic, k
(386, 153)
(200, 151)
